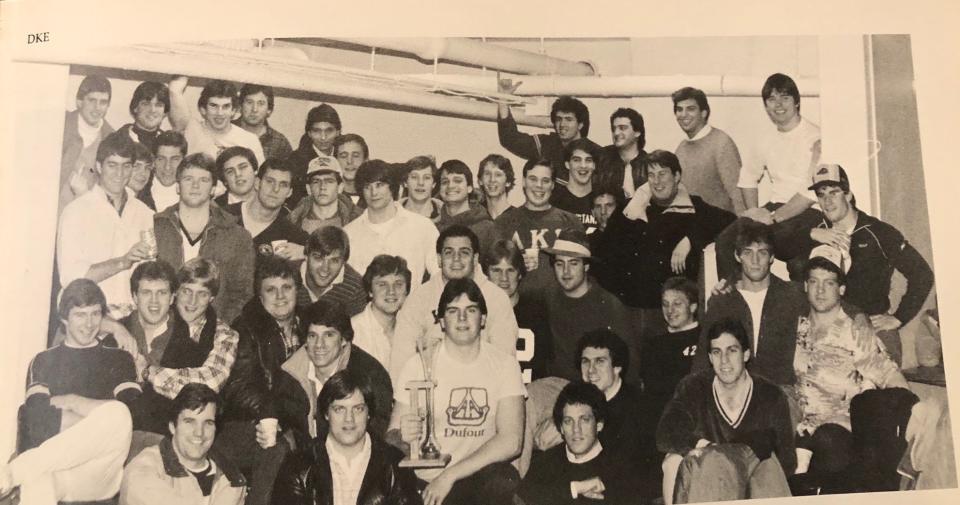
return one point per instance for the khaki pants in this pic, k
(722, 472)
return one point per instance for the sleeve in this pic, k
(710, 222)
(72, 263)
(785, 446)
(520, 144)
(512, 384)
(246, 392)
(214, 371)
(677, 431)
(503, 329)
(404, 490)
(919, 277)
(410, 371)
(868, 357)
(290, 486)
(544, 484)
(408, 330)
(431, 234)
(143, 484)
(728, 164)
(238, 289)
(127, 389)
(37, 420)
(383, 389)
(256, 147)
(752, 169)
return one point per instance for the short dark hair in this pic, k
(458, 230)
(457, 167)
(197, 160)
(607, 188)
(194, 396)
(731, 326)
(501, 162)
(538, 162)
(580, 393)
(682, 285)
(350, 137)
(783, 84)
(604, 338)
(688, 93)
(273, 266)
(339, 386)
(278, 165)
(571, 104)
(384, 264)
(636, 122)
(327, 239)
(117, 143)
(157, 270)
(202, 271)
(326, 313)
(323, 113)
(663, 158)
(252, 89)
(148, 90)
(142, 153)
(584, 145)
(171, 138)
(503, 249)
(94, 84)
(218, 88)
(818, 262)
(80, 292)
(457, 287)
(753, 232)
(371, 171)
(232, 152)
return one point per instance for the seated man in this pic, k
(237, 169)
(478, 412)
(347, 463)
(581, 470)
(184, 468)
(838, 356)
(387, 282)
(72, 438)
(327, 348)
(456, 190)
(326, 275)
(668, 357)
(726, 423)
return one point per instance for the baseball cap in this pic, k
(830, 174)
(830, 253)
(324, 165)
(570, 243)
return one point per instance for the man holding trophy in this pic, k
(477, 414)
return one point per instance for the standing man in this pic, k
(571, 121)
(195, 228)
(215, 131)
(577, 196)
(83, 129)
(478, 414)
(456, 187)
(256, 106)
(321, 129)
(329, 471)
(788, 154)
(458, 257)
(99, 236)
(149, 107)
(385, 227)
(710, 159)
(237, 167)
(327, 275)
(874, 250)
(324, 204)
(265, 217)
(161, 191)
(621, 165)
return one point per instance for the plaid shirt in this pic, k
(214, 371)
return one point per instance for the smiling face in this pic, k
(83, 325)
(348, 419)
(494, 180)
(623, 133)
(350, 155)
(462, 321)
(166, 162)
(153, 299)
(755, 261)
(824, 290)
(728, 358)
(193, 298)
(567, 126)
(664, 184)
(454, 189)
(419, 184)
(148, 114)
(537, 187)
(388, 292)
(324, 346)
(255, 109)
(93, 107)
(278, 296)
(195, 187)
(596, 367)
(192, 435)
(689, 116)
(579, 428)
(323, 270)
(457, 258)
(218, 113)
(835, 204)
(678, 310)
(581, 165)
(115, 172)
(140, 175)
(239, 175)
(274, 188)
(783, 110)
(506, 276)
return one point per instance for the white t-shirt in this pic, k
(789, 157)
(408, 235)
(164, 196)
(754, 300)
(466, 397)
(201, 139)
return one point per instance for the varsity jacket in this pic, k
(225, 243)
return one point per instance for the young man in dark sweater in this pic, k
(581, 470)
(577, 196)
(726, 421)
(668, 357)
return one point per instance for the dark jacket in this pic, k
(876, 250)
(296, 396)
(532, 147)
(305, 478)
(782, 307)
(347, 211)
(610, 169)
(225, 243)
(640, 250)
(550, 475)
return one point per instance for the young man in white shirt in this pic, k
(387, 283)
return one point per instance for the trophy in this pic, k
(426, 453)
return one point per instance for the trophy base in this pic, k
(440, 462)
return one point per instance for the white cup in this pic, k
(269, 426)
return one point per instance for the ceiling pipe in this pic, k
(477, 53)
(245, 66)
(622, 86)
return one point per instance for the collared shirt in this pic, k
(700, 134)
(314, 297)
(150, 335)
(347, 474)
(122, 203)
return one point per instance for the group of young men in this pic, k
(242, 321)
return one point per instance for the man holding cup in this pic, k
(99, 237)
